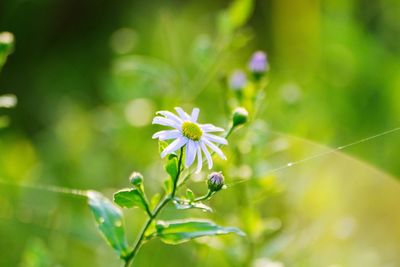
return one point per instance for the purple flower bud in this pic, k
(215, 181)
(237, 80)
(258, 62)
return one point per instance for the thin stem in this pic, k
(205, 197)
(152, 216)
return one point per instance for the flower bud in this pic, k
(239, 116)
(6, 42)
(215, 181)
(237, 80)
(258, 63)
(136, 179)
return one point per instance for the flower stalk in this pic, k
(153, 215)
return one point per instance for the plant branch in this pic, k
(152, 216)
(205, 197)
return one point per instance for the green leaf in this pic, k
(129, 198)
(172, 167)
(190, 194)
(176, 232)
(155, 199)
(239, 12)
(168, 186)
(109, 220)
(235, 16)
(184, 205)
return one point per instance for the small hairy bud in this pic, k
(215, 181)
(136, 179)
(258, 63)
(237, 81)
(239, 116)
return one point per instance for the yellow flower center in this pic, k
(191, 130)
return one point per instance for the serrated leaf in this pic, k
(129, 198)
(184, 205)
(172, 167)
(109, 219)
(176, 232)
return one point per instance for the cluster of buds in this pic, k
(258, 66)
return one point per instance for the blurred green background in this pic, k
(89, 76)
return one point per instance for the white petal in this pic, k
(191, 150)
(165, 122)
(215, 138)
(170, 115)
(210, 128)
(207, 154)
(175, 145)
(215, 148)
(183, 114)
(167, 134)
(199, 159)
(195, 114)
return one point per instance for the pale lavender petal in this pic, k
(207, 154)
(175, 145)
(210, 128)
(215, 138)
(183, 114)
(195, 114)
(167, 134)
(170, 115)
(165, 122)
(215, 148)
(199, 159)
(191, 150)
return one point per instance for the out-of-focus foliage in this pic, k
(6, 46)
(89, 76)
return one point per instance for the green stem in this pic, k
(152, 216)
(205, 197)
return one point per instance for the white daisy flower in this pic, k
(196, 137)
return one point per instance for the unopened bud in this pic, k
(237, 80)
(6, 42)
(136, 179)
(239, 116)
(215, 181)
(258, 63)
